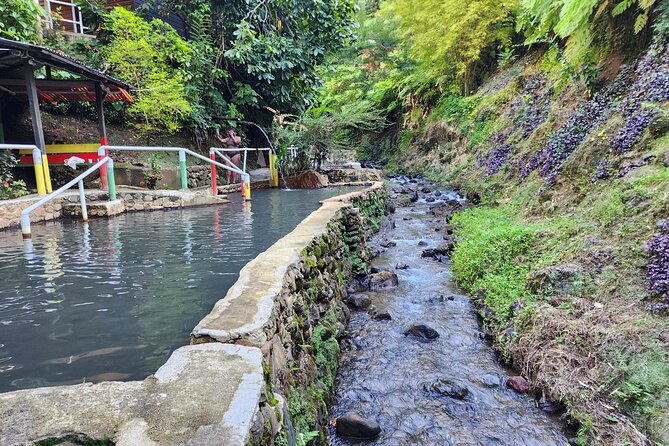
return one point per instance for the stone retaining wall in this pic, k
(262, 364)
(288, 303)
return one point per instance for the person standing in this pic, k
(231, 141)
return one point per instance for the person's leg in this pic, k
(228, 173)
(236, 160)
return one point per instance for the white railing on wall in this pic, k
(76, 21)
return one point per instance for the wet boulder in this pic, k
(548, 406)
(382, 280)
(440, 252)
(446, 209)
(421, 331)
(430, 200)
(388, 243)
(422, 243)
(427, 253)
(401, 266)
(437, 193)
(356, 427)
(518, 383)
(359, 301)
(309, 179)
(406, 194)
(447, 388)
(490, 380)
(445, 248)
(380, 314)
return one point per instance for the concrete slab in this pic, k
(246, 309)
(204, 395)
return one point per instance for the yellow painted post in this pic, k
(247, 191)
(39, 172)
(273, 173)
(47, 175)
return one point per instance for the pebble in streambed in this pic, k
(428, 391)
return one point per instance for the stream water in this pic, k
(111, 299)
(383, 374)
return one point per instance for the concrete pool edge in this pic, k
(241, 371)
(129, 200)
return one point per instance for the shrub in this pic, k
(152, 176)
(153, 58)
(492, 255)
(19, 20)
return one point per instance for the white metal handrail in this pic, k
(18, 147)
(25, 214)
(77, 18)
(168, 149)
(182, 160)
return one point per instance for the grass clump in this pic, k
(493, 255)
(643, 390)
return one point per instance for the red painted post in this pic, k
(243, 188)
(214, 188)
(103, 169)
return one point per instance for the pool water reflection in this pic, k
(111, 299)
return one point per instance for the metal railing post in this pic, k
(111, 181)
(25, 214)
(273, 171)
(47, 175)
(82, 199)
(103, 170)
(214, 187)
(247, 191)
(39, 172)
(182, 167)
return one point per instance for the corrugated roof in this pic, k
(13, 56)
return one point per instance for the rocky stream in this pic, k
(416, 368)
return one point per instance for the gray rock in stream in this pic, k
(359, 301)
(382, 280)
(490, 380)
(356, 427)
(447, 388)
(421, 331)
(380, 314)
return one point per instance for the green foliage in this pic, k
(271, 49)
(578, 22)
(493, 256)
(153, 175)
(609, 209)
(326, 349)
(643, 388)
(450, 36)
(12, 189)
(153, 58)
(302, 411)
(661, 25)
(326, 131)
(19, 20)
(7, 163)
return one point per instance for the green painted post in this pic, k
(111, 181)
(182, 166)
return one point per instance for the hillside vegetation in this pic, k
(552, 117)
